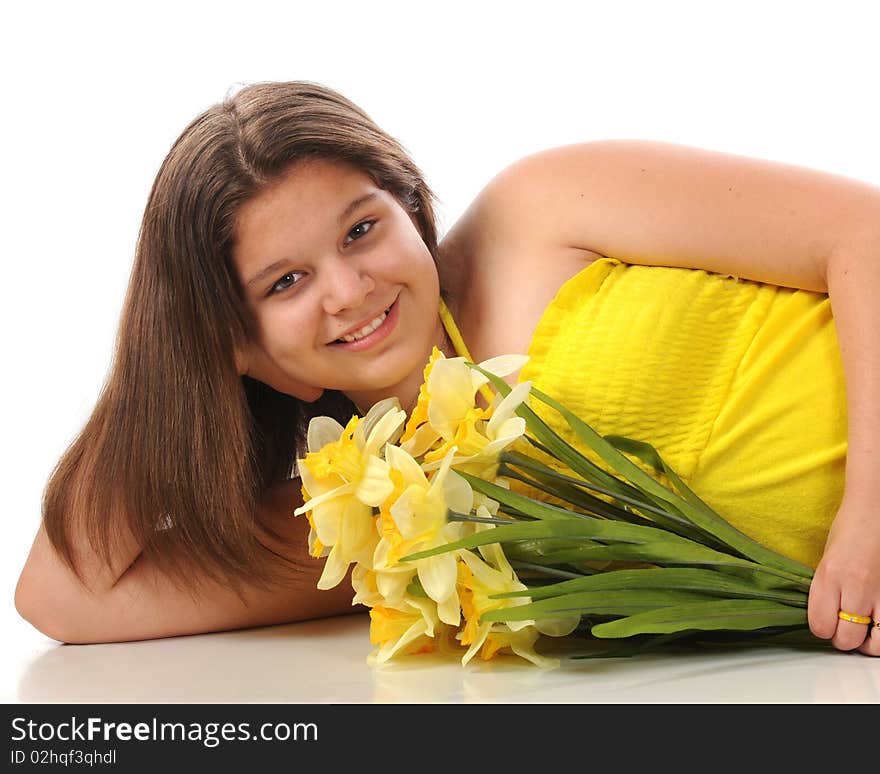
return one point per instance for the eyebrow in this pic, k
(343, 216)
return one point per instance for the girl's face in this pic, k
(342, 288)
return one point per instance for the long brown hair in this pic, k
(179, 447)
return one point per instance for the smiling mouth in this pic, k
(366, 330)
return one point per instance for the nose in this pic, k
(346, 286)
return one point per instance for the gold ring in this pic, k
(853, 618)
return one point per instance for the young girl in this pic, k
(288, 266)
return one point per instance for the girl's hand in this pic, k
(848, 578)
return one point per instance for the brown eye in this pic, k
(359, 230)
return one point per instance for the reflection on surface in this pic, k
(302, 662)
(326, 662)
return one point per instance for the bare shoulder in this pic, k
(528, 204)
(658, 203)
(503, 261)
(568, 195)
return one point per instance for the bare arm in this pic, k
(662, 204)
(143, 604)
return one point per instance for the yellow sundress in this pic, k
(738, 384)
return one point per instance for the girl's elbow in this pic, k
(34, 609)
(48, 613)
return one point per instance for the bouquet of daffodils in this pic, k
(473, 527)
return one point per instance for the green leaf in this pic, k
(691, 507)
(584, 527)
(629, 542)
(415, 589)
(658, 516)
(671, 554)
(537, 509)
(583, 501)
(648, 454)
(544, 571)
(739, 615)
(615, 602)
(539, 549)
(697, 511)
(693, 579)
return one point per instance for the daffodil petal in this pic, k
(479, 639)
(378, 411)
(334, 570)
(484, 574)
(315, 487)
(558, 627)
(327, 521)
(515, 626)
(458, 493)
(380, 554)
(438, 575)
(314, 502)
(504, 365)
(485, 506)
(449, 611)
(375, 484)
(322, 430)
(523, 646)
(452, 395)
(429, 613)
(499, 561)
(507, 408)
(439, 478)
(386, 427)
(356, 530)
(313, 536)
(363, 582)
(392, 583)
(403, 463)
(389, 649)
(422, 440)
(496, 446)
(403, 512)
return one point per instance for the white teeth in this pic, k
(367, 329)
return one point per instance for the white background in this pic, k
(94, 94)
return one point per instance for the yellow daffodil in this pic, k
(447, 411)
(419, 516)
(521, 642)
(406, 629)
(366, 592)
(391, 578)
(480, 442)
(418, 436)
(478, 579)
(344, 477)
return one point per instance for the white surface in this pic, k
(96, 92)
(325, 662)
